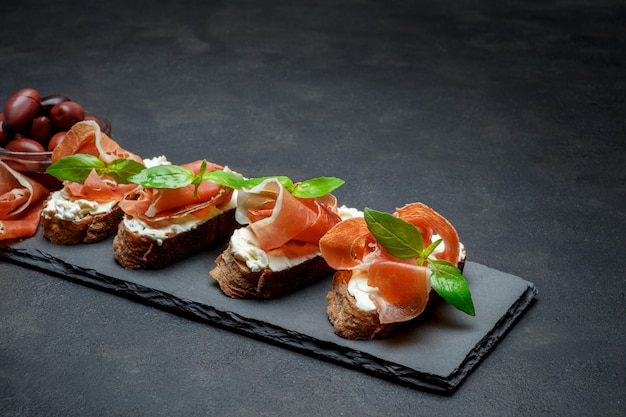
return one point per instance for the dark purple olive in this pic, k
(24, 145)
(48, 102)
(65, 114)
(4, 136)
(95, 119)
(55, 140)
(21, 108)
(41, 129)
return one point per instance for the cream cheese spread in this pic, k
(245, 247)
(358, 288)
(141, 228)
(348, 212)
(156, 161)
(61, 206)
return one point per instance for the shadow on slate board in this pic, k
(436, 353)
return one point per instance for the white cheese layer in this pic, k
(245, 246)
(138, 227)
(358, 288)
(156, 161)
(61, 206)
(348, 212)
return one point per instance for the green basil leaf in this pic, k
(227, 179)
(197, 179)
(75, 168)
(164, 176)
(317, 187)
(399, 237)
(447, 281)
(122, 169)
(426, 253)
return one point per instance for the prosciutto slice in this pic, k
(21, 202)
(403, 290)
(159, 207)
(283, 223)
(86, 138)
(403, 286)
(98, 188)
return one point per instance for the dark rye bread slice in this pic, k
(134, 251)
(89, 229)
(237, 280)
(350, 322)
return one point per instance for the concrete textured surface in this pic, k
(508, 117)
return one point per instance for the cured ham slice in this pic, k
(403, 290)
(428, 220)
(86, 138)
(403, 287)
(21, 202)
(100, 189)
(282, 222)
(162, 206)
(347, 243)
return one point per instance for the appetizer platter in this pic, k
(390, 294)
(437, 353)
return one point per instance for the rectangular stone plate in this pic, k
(436, 353)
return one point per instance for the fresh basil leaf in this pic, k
(317, 187)
(122, 169)
(428, 251)
(447, 281)
(75, 168)
(285, 181)
(197, 179)
(227, 179)
(164, 176)
(399, 237)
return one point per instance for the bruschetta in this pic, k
(384, 279)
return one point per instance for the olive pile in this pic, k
(31, 123)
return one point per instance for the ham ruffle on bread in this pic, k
(21, 202)
(399, 290)
(277, 226)
(164, 225)
(282, 223)
(86, 212)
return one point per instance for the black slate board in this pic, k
(435, 354)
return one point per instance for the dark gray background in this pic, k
(508, 117)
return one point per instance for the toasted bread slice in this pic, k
(237, 280)
(89, 229)
(134, 251)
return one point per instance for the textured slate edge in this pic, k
(487, 343)
(270, 333)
